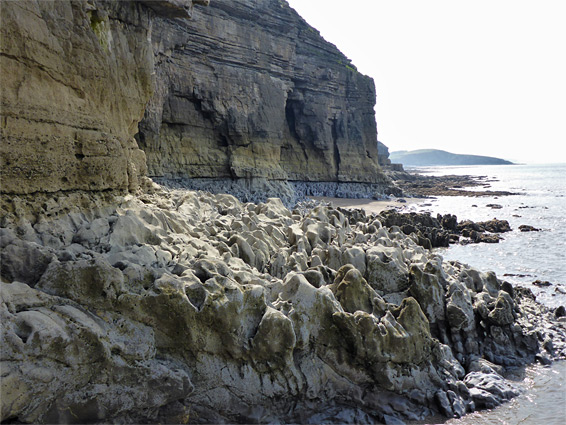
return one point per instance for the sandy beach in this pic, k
(370, 205)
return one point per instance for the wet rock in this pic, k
(489, 390)
(426, 186)
(495, 226)
(527, 228)
(445, 405)
(444, 230)
(543, 360)
(560, 311)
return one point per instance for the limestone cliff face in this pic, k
(247, 89)
(75, 80)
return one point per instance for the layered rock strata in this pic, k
(248, 94)
(179, 306)
(75, 78)
(244, 93)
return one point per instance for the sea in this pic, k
(521, 258)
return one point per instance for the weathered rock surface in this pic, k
(177, 305)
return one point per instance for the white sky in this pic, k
(484, 77)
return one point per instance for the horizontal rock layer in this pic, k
(243, 90)
(75, 79)
(259, 189)
(249, 90)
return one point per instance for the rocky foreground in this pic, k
(179, 306)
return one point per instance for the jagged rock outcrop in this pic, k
(248, 90)
(383, 152)
(445, 229)
(179, 306)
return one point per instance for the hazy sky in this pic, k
(484, 77)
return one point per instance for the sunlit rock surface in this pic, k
(239, 96)
(179, 305)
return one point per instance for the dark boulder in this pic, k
(527, 228)
(495, 226)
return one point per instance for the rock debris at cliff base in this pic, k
(176, 306)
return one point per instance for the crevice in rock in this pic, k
(336, 149)
(290, 118)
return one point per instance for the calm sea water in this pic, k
(524, 257)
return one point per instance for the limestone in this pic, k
(93, 280)
(459, 311)
(176, 299)
(386, 272)
(502, 313)
(489, 390)
(429, 293)
(171, 306)
(274, 115)
(441, 231)
(24, 261)
(63, 128)
(352, 291)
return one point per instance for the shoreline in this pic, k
(416, 183)
(369, 205)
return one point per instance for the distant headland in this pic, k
(426, 157)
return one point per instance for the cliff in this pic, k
(75, 79)
(250, 91)
(244, 92)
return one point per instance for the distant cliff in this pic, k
(425, 157)
(245, 92)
